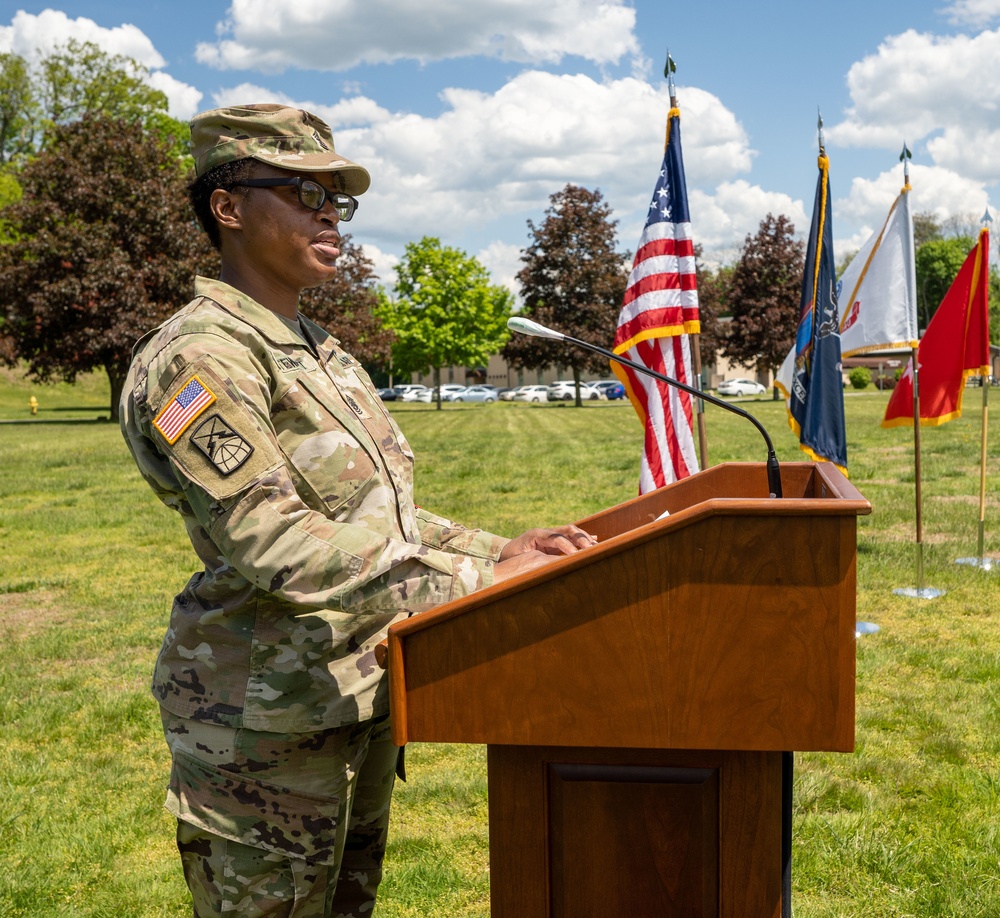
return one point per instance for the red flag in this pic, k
(956, 345)
(659, 312)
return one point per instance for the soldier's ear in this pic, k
(227, 207)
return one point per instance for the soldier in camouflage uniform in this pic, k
(296, 489)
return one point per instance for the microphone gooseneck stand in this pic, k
(529, 327)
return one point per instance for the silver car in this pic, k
(474, 394)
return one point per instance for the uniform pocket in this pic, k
(251, 812)
(323, 454)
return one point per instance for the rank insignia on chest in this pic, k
(225, 448)
(183, 408)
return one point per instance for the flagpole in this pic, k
(921, 592)
(982, 562)
(694, 339)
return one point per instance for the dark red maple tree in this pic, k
(345, 306)
(764, 293)
(105, 247)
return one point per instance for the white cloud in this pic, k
(503, 261)
(490, 161)
(721, 220)
(384, 262)
(928, 88)
(35, 36)
(339, 34)
(183, 100)
(490, 155)
(935, 190)
(976, 13)
(352, 111)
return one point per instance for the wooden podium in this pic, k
(636, 697)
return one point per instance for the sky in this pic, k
(470, 114)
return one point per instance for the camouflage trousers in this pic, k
(273, 824)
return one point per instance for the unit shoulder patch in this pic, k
(225, 448)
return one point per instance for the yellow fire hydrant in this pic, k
(33, 404)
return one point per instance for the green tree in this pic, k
(925, 229)
(105, 248)
(346, 306)
(74, 81)
(445, 311)
(573, 280)
(765, 291)
(81, 80)
(937, 265)
(18, 108)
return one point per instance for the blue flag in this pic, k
(816, 405)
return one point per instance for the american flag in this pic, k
(659, 312)
(183, 408)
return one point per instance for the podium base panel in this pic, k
(587, 833)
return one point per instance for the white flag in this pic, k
(878, 290)
(877, 293)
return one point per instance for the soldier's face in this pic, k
(291, 245)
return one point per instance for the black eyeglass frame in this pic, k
(341, 200)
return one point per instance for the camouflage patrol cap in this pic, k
(289, 138)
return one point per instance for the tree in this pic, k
(713, 301)
(765, 292)
(937, 265)
(925, 229)
(18, 107)
(574, 280)
(72, 82)
(105, 249)
(347, 304)
(446, 312)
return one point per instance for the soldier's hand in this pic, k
(560, 540)
(521, 564)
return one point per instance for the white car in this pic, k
(409, 391)
(564, 390)
(740, 387)
(448, 391)
(532, 394)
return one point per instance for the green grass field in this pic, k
(906, 826)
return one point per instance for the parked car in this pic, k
(537, 393)
(430, 395)
(389, 394)
(610, 388)
(409, 391)
(564, 390)
(474, 394)
(740, 387)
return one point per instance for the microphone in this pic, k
(529, 327)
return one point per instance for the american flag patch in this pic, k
(183, 408)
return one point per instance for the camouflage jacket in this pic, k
(296, 489)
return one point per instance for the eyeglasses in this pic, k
(311, 194)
